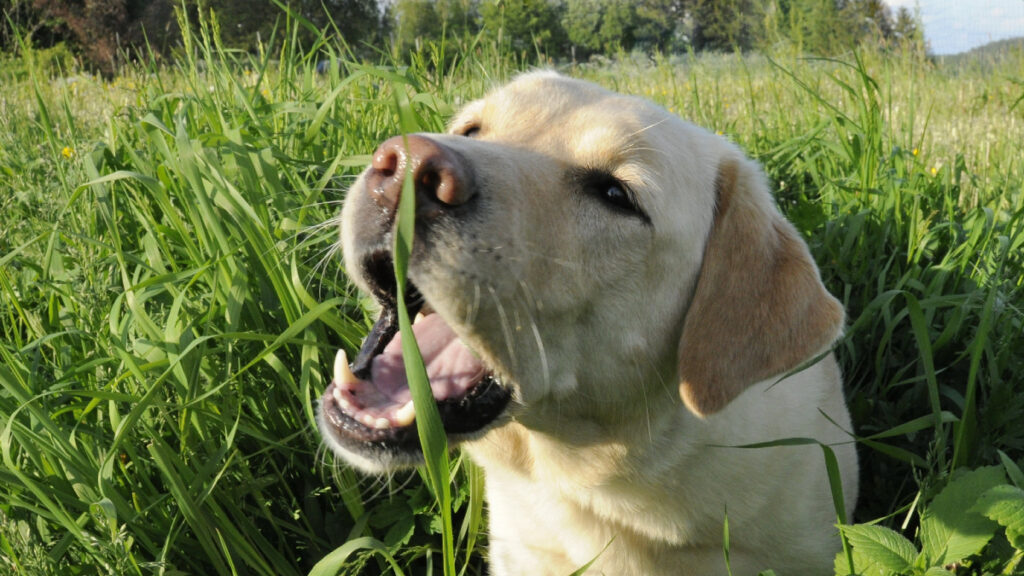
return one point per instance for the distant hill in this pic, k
(990, 53)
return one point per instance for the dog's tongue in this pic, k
(384, 400)
(451, 367)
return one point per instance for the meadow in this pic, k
(171, 298)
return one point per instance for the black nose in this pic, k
(441, 178)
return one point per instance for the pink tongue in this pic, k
(451, 367)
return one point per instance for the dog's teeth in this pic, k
(405, 415)
(419, 316)
(382, 424)
(341, 399)
(340, 361)
(343, 376)
(367, 420)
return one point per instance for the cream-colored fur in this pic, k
(640, 351)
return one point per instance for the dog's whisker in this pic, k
(531, 305)
(650, 126)
(474, 308)
(506, 328)
(327, 255)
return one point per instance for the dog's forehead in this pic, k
(659, 155)
(573, 119)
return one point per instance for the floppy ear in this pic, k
(760, 308)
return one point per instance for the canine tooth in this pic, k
(419, 316)
(382, 424)
(343, 375)
(405, 415)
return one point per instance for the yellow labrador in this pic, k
(609, 297)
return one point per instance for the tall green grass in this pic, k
(170, 297)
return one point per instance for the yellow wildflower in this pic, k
(67, 152)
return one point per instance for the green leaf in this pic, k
(1012, 470)
(1005, 505)
(950, 532)
(885, 548)
(915, 425)
(400, 532)
(331, 564)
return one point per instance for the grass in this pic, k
(170, 299)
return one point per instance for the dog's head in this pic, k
(575, 249)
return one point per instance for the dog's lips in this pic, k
(371, 401)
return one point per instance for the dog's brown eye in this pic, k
(471, 131)
(612, 193)
(615, 195)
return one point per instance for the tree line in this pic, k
(104, 32)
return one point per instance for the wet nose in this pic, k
(441, 178)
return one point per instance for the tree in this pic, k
(906, 31)
(722, 24)
(582, 23)
(359, 21)
(19, 17)
(660, 25)
(815, 26)
(870, 20)
(525, 26)
(244, 24)
(93, 26)
(415, 21)
(600, 25)
(618, 25)
(102, 32)
(459, 18)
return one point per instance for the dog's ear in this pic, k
(759, 308)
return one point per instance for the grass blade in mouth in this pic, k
(433, 441)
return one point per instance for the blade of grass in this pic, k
(433, 440)
(835, 480)
(920, 329)
(335, 561)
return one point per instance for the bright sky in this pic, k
(953, 26)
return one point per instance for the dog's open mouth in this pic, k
(370, 401)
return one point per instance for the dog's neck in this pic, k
(591, 450)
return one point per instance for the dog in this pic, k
(610, 308)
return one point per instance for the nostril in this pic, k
(448, 186)
(386, 160)
(440, 176)
(428, 182)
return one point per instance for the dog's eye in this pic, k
(470, 131)
(613, 194)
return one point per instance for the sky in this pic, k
(953, 26)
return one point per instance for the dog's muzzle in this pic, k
(368, 406)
